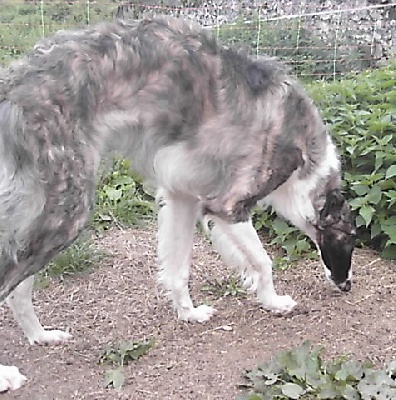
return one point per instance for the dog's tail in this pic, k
(21, 196)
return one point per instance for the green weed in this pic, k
(81, 256)
(302, 374)
(228, 286)
(120, 355)
(121, 199)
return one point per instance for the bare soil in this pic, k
(121, 301)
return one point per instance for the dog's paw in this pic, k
(201, 313)
(279, 304)
(50, 337)
(10, 378)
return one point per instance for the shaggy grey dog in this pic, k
(214, 130)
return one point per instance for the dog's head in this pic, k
(336, 235)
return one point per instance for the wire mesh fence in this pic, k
(319, 39)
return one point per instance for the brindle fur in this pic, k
(197, 119)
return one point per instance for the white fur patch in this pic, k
(240, 246)
(10, 378)
(20, 302)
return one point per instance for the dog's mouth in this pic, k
(345, 286)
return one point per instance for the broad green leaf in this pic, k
(367, 212)
(389, 221)
(328, 392)
(360, 221)
(317, 379)
(302, 362)
(292, 390)
(125, 180)
(377, 385)
(391, 172)
(359, 189)
(350, 393)
(391, 195)
(374, 195)
(390, 230)
(350, 370)
(357, 202)
(375, 230)
(115, 378)
(113, 194)
(126, 351)
(133, 350)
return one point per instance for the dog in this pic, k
(215, 130)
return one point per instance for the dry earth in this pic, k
(120, 301)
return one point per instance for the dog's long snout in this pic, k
(345, 286)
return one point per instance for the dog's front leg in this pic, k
(177, 217)
(10, 378)
(20, 302)
(240, 246)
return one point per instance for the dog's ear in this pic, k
(333, 208)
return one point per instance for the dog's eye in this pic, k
(210, 224)
(161, 202)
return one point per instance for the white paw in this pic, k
(10, 378)
(197, 314)
(50, 337)
(279, 304)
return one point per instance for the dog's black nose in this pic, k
(348, 286)
(345, 286)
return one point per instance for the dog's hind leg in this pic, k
(240, 246)
(177, 217)
(20, 302)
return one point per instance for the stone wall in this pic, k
(373, 28)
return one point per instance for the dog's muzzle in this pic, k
(345, 286)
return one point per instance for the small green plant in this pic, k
(83, 255)
(120, 355)
(228, 286)
(302, 374)
(121, 199)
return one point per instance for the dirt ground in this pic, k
(120, 301)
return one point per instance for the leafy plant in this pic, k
(83, 255)
(228, 286)
(121, 199)
(121, 355)
(361, 113)
(302, 374)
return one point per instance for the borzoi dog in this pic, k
(215, 130)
